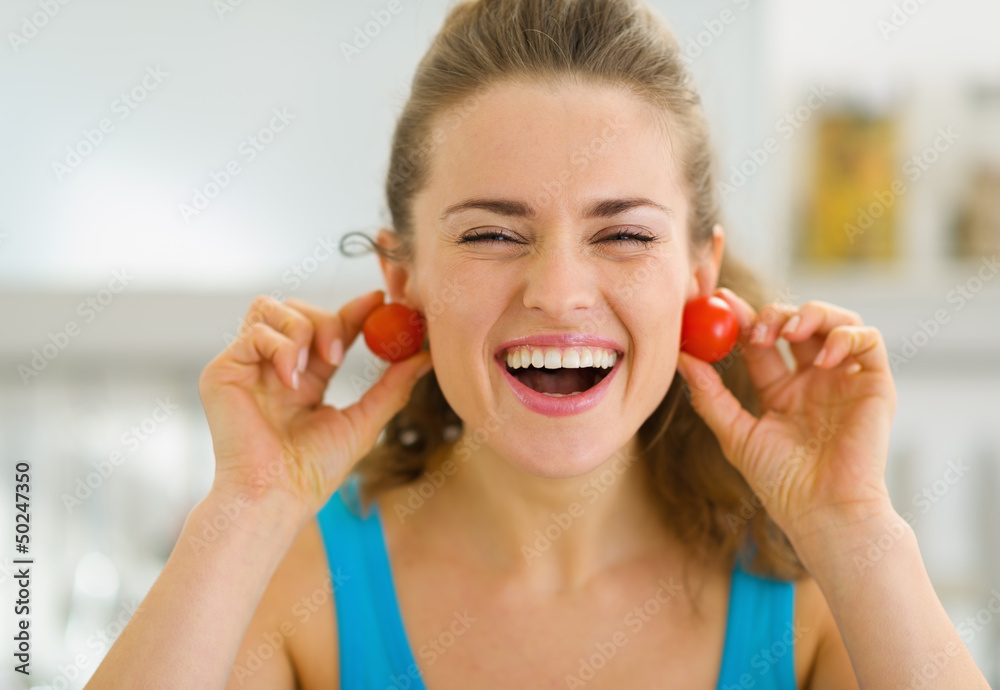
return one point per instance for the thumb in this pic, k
(723, 414)
(387, 396)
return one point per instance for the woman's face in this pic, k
(546, 265)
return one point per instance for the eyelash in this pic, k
(630, 238)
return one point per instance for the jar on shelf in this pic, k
(977, 230)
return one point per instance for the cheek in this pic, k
(651, 313)
(468, 296)
(459, 331)
(462, 306)
(647, 292)
(655, 334)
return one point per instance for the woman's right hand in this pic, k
(263, 397)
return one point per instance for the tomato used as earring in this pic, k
(394, 331)
(709, 328)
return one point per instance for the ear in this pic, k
(397, 275)
(705, 275)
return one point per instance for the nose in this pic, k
(559, 282)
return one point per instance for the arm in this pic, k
(280, 453)
(292, 642)
(894, 627)
(816, 457)
(188, 629)
(827, 663)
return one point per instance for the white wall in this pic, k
(323, 174)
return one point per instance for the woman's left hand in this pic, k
(816, 456)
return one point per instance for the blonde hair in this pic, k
(620, 43)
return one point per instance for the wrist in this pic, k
(862, 533)
(264, 514)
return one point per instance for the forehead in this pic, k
(555, 148)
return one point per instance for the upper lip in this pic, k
(562, 340)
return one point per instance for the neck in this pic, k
(557, 534)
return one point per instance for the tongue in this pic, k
(562, 381)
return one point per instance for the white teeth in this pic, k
(555, 358)
(537, 359)
(562, 395)
(571, 360)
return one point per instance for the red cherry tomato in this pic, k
(709, 328)
(394, 331)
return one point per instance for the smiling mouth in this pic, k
(559, 382)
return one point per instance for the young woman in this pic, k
(567, 500)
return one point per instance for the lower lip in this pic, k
(557, 407)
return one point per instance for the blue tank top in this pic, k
(376, 655)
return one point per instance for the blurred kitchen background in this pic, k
(860, 148)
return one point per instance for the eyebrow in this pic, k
(602, 208)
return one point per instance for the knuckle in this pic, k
(297, 304)
(259, 308)
(841, 334)
(297, 325)
(259, 330)
(769, 313)
(262, 303)
(300, 320)
(206, 380)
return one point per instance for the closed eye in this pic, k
(488, 238)
(630, 238)
(492, 237)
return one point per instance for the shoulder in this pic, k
(817, 641)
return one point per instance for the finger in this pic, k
(770, 320)
(338, 330)
(286, 320)
(765, 365)
(861, 344)
(264, 344)
(725, 416)
(324, 358)
(806, 333)
(387, 396)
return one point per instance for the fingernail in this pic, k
(336, 352)
(792, 324)
(303, 359)
(820, 356)
(759, 331)
(295, 380)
